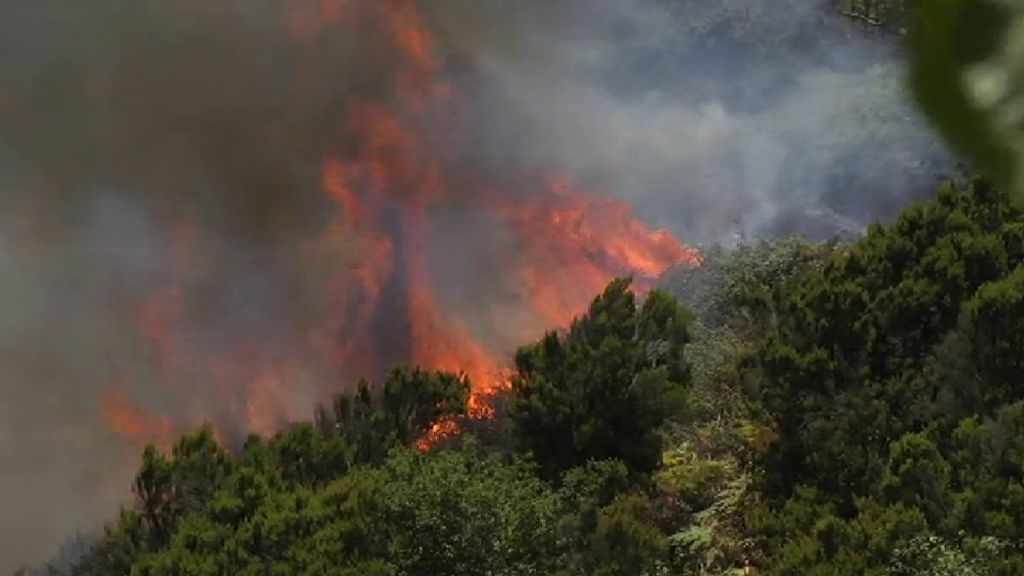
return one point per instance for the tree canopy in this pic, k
(602, 390)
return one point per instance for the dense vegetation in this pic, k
(820, 409)
(890, 380)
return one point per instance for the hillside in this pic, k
(594, 287)
(839, 409)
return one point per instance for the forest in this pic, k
(789, 407)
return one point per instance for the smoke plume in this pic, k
(224, 211)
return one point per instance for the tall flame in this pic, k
(384, 180)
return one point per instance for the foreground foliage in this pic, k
(892, 382)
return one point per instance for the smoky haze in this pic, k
(126, 126)
(714, 117)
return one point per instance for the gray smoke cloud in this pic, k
(124, 122)
(713, 117)
(119, 120)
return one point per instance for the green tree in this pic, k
(603, 390)
(399, 413)
(917, 476)
(122, 542)
(463, 513)
(170, 489)
(851, 364)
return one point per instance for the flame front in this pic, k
(384, 180)
(575, 243)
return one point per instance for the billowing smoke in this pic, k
(190, 221)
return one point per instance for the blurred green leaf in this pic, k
(967, 74)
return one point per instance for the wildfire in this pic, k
(383, 181)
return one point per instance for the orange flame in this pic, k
(439, 431)
(440, 345)
(575, 243)
(131, 421)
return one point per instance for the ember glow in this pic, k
(384, 180)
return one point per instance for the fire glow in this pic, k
(384, 181)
